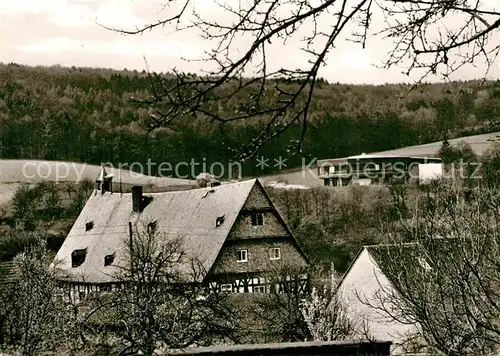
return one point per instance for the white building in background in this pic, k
(429, 171)
(378, 169)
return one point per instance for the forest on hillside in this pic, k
(89, 115)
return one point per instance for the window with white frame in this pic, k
(242, 255)
(226, 287)
(275, 253)
(257, 219)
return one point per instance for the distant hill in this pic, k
(88, 115)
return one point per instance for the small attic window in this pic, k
(108, 259)
(152, 227)
(89, 225)
(242, 255)
(78, 257)
(424, 264)
(220, 220)
(257, 219)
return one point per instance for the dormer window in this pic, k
(220, 220)
(78, 257)
(208, 192)
(152, 227)
(108, 259)
(89, 226)
(257, 219)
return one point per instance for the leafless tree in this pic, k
(161, 303)
(430, 37)
(35, 315)
(444, 272)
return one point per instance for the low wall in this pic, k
(295, 348)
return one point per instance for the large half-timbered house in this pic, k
(234, 230)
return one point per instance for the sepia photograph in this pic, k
(249, 177)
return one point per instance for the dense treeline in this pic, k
(87, 115)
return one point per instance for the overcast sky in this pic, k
(66, 32)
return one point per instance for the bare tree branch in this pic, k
(425, 36)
